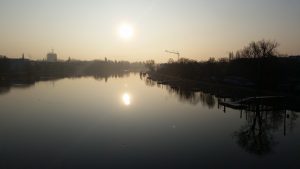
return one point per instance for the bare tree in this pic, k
(260, 49)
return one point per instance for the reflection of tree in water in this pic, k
(4, 89)
(150, 82)
(185, 95)
(107, 76)
(292, 121)
(256, 135)
(21, 83)
(207, 100)
(25, 82)
(193, 97)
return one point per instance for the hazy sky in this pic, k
(199, 29)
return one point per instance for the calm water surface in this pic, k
(129, 122)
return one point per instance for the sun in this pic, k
(126, 31)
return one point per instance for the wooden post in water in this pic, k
(285, 115)
(241, 116)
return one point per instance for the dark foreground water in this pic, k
(128, 122)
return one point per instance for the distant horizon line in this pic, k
(107, 59)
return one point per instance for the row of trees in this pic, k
(258, 64)
(14, 67)
(255, 50)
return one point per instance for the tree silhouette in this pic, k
(150, 64)
(260, 49)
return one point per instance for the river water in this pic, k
(131, 122)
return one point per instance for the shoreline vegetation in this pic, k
(226, 94)
(256, 70)
(14, 68)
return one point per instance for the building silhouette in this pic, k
(51, 56)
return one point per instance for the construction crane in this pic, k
(173, 52)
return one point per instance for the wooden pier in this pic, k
(242, 103)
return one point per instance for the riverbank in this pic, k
(215, 88)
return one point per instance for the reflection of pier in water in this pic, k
(275, 105)
(264, 116)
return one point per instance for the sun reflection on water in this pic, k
(126, 98)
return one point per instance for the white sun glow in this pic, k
(126, 31)
(126, 99)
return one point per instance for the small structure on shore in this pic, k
(51, 56)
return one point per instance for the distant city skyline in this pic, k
(139, 30)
